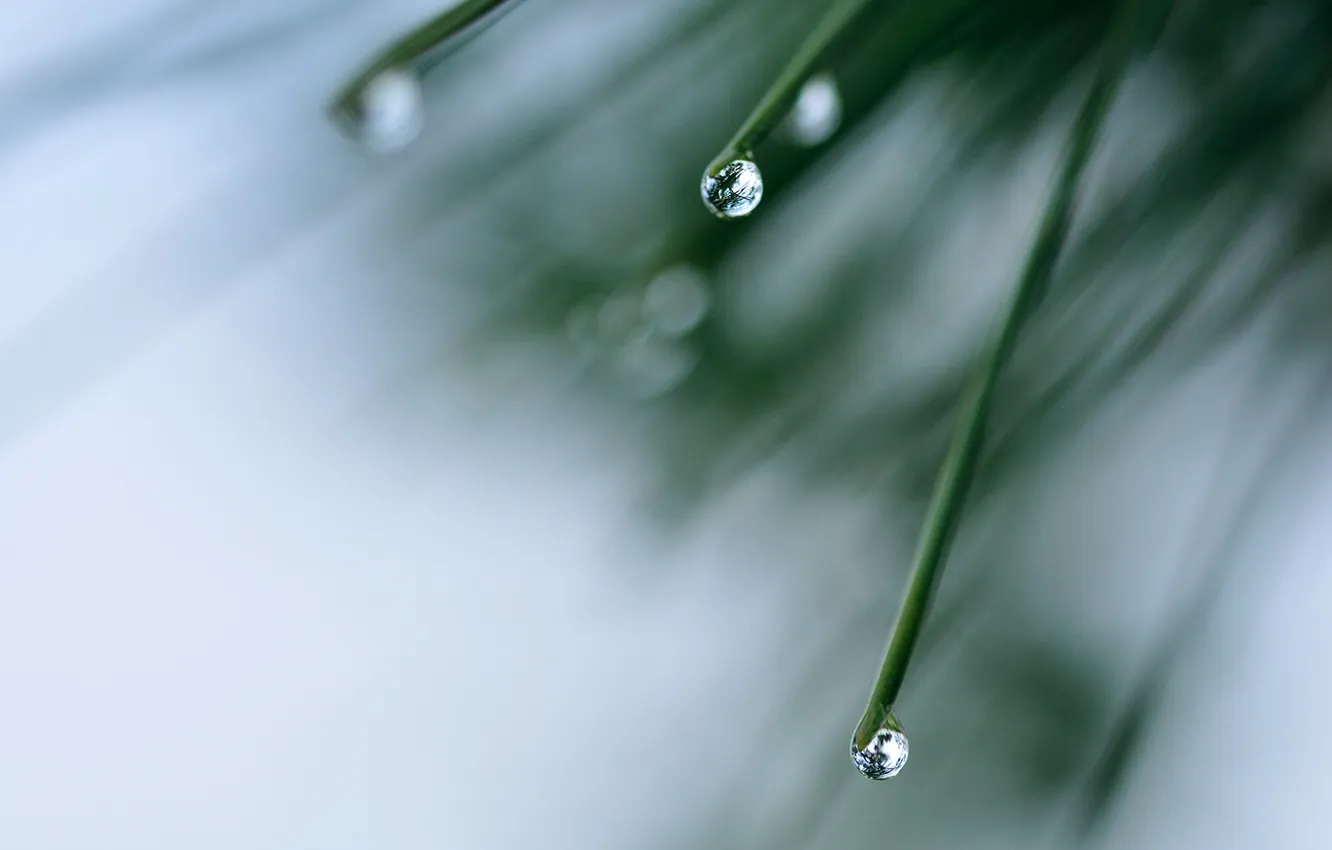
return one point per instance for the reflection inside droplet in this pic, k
(817, 112)
(885, 755)
(676, 300)
(733, 191)
(392, 111)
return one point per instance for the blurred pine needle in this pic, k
(1175, 258)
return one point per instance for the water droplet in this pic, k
(677, 300)
(733, 191)
(816, 113)
(885, 756)
(392, 111)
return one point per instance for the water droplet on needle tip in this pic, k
(734, 190)
(392, 111)
(884, 756)
(816, 113)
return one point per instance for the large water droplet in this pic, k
(733, 191)
(392, 111)
(885, 755)
(816, 113)
(677, 300)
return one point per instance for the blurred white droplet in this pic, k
(733, 191)
(885, 755)
(652, 364)
(619, 317)
(677, 300)
(817, 112)
(392, 111)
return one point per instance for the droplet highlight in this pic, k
(676, 300)
(392, 111)
(885, 755)
(733, 191)
(816, 113)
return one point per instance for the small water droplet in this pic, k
(816, 113)
(885, 755)
(677, 300)
(392, 111)
(733, 191)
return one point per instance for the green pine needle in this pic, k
(959, 466)
(447, 29)
(914, 23)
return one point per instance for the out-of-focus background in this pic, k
(495, 495)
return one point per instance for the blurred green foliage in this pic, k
(1210, 211)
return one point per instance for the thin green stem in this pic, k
(959, 466)
(915, 21)
(451, 25)
(784, 90)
